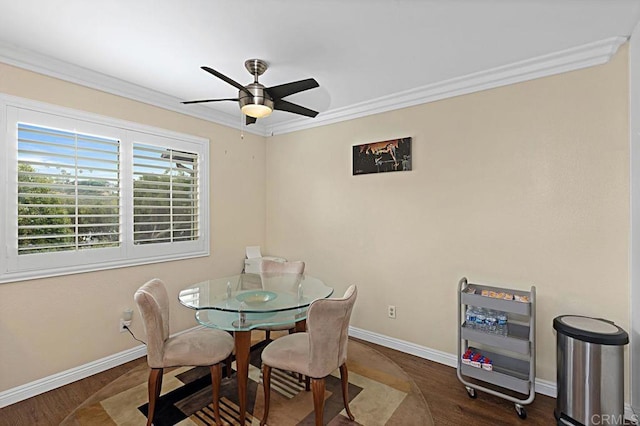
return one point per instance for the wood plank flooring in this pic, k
(450, 404)
(50, 408)
(447, 398)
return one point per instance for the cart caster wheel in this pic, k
(472, 393)
(521, 411)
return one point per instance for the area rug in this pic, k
(380, 393)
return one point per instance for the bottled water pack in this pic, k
(487, 320)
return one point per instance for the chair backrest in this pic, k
(153, 303)
(281, 276)
(327, 325)
(273, 266)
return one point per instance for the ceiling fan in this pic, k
(257, 101)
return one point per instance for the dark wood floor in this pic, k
(447, 398)
(50, 408)
(450, 404)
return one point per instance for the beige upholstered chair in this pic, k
(272, 266)
(206, 347)
(316, 353)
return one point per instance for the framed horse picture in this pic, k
(380, 157)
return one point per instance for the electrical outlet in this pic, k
(125, 319)
(124, 323)
(391, 311)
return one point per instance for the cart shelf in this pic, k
(472, 295)
(517, 339)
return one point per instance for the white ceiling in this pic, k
(364, 53)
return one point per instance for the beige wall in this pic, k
(525, 184)
(522, 185)
(50, 325)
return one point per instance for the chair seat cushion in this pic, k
(280, 327)
(290, 353)
(200, 347)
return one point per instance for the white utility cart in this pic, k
(511, 351)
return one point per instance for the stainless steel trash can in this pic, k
(590, 371)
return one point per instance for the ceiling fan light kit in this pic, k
(257, 101)
(257, 110)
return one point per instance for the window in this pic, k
(85, 193)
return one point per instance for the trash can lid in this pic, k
(592, 330)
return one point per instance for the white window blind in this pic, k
(82, 192)
(165, 195)
(68, 190)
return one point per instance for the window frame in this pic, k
(14, 267)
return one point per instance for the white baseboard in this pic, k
(543, 387)
(403, 346)
(28, 390)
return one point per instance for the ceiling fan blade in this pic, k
(279, 92)
(228, 80)
(208, 100)
(250, 120)
(281, 105)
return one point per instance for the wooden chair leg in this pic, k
(216, 378)
(154, 387)
(267, 335)
(307, 383)
(266, 386)
(318, 399)
(344, 375)
(228, 365)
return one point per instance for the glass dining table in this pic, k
(241, 303)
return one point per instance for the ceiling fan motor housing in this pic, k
(260, 96)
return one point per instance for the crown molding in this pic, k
(52, 67)
(587, 55)
(571, 59)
